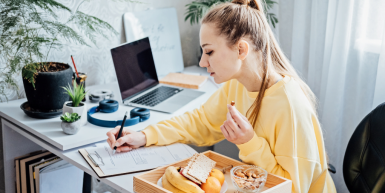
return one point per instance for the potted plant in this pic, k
(197, 9)
(76, 93)
(70, 123)
(44, 93)
(30, 30)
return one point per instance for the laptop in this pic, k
(138, 82)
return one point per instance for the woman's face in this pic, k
(221, 61)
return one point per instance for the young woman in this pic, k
(274, 121)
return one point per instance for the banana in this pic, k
(180, 182)
(166, 184)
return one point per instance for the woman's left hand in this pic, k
(237, 128)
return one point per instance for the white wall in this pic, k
(96, 60)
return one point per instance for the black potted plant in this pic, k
(45, 93)
(30, 30)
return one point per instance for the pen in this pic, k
(120, 130)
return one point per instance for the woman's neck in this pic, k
(249, 78)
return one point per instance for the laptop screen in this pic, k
(134, 66)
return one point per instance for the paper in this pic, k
(161, 26)
(143, 158)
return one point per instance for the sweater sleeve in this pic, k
(293, 154)
(200, 127)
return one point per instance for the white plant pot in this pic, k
(70, 128)
(80, 110)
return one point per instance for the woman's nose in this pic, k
(204, 62)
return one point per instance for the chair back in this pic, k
(364, 161)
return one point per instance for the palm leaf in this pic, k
(197, 9)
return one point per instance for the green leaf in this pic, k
(76, 93)
(29, 27)
(70, 117)
(197, 9)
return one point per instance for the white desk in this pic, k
(22, 134)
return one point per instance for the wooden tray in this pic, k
(147, 182)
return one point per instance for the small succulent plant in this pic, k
(70, 117)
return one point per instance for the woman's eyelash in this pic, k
(209, 53)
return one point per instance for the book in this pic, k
(17, 168)
(32, 176)
(24, 165)
(36, 171)
(184, 80)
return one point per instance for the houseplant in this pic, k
(197, 9)
(70, 123)
(76, 93)
(29, 30)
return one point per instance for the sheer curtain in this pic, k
(338, 47)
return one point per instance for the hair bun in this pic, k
(251, 3)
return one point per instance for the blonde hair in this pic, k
(246, 18)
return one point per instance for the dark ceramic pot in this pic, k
(49, 93)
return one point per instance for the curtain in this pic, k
(338, 47)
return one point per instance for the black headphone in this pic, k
(109, 106)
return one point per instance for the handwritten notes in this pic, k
(143, 158)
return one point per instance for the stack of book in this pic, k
(43, 172)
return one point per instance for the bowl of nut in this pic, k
(248, 178)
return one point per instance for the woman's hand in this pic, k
(128, 140)
(237, 129)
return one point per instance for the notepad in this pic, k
(141, 159)
(184, 80)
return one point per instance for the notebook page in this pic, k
(143, 158)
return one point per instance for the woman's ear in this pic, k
(243, 49)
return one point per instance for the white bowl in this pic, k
(252, 187)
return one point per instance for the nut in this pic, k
(240, 175)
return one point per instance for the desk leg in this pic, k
(14, 145)
(87, 181)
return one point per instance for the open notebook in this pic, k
(106, 164)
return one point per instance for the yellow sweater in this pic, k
(287, 142)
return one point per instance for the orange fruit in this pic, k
(218, 175)
(212, 185)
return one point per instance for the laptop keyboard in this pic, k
(156, 96)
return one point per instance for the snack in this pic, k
(199, 168)
(232, 103)
(248, 178)
(212, 185)
(168, 186)
(180, 182)
(218, 175)
(196, 173)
